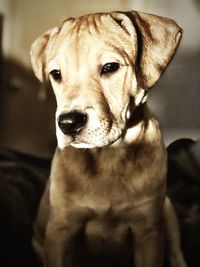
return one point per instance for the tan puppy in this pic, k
(101, 67)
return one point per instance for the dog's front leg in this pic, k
(148, 246)
(59, 238)
(57, 242)
(173, 236)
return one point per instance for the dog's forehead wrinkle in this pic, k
(66, 26)
(88, 24)
(97, 26)
(94, 23)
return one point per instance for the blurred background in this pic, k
(27, 109)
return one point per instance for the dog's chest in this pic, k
(110, 179)
(115, 173)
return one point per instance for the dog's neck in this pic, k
(139, 114)
(141, 126)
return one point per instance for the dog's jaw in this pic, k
(90, 137)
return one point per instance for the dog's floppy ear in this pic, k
(158, 39)
(38, 53)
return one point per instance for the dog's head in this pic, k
(101, 67)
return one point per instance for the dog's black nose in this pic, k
(71, 123)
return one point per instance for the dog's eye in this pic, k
(109, 68)
(56, 74)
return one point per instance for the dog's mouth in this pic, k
(90, 137)
(82, 143)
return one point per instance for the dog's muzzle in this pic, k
(72, 123)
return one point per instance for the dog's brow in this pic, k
(86, 24)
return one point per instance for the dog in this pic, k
(107, 186)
